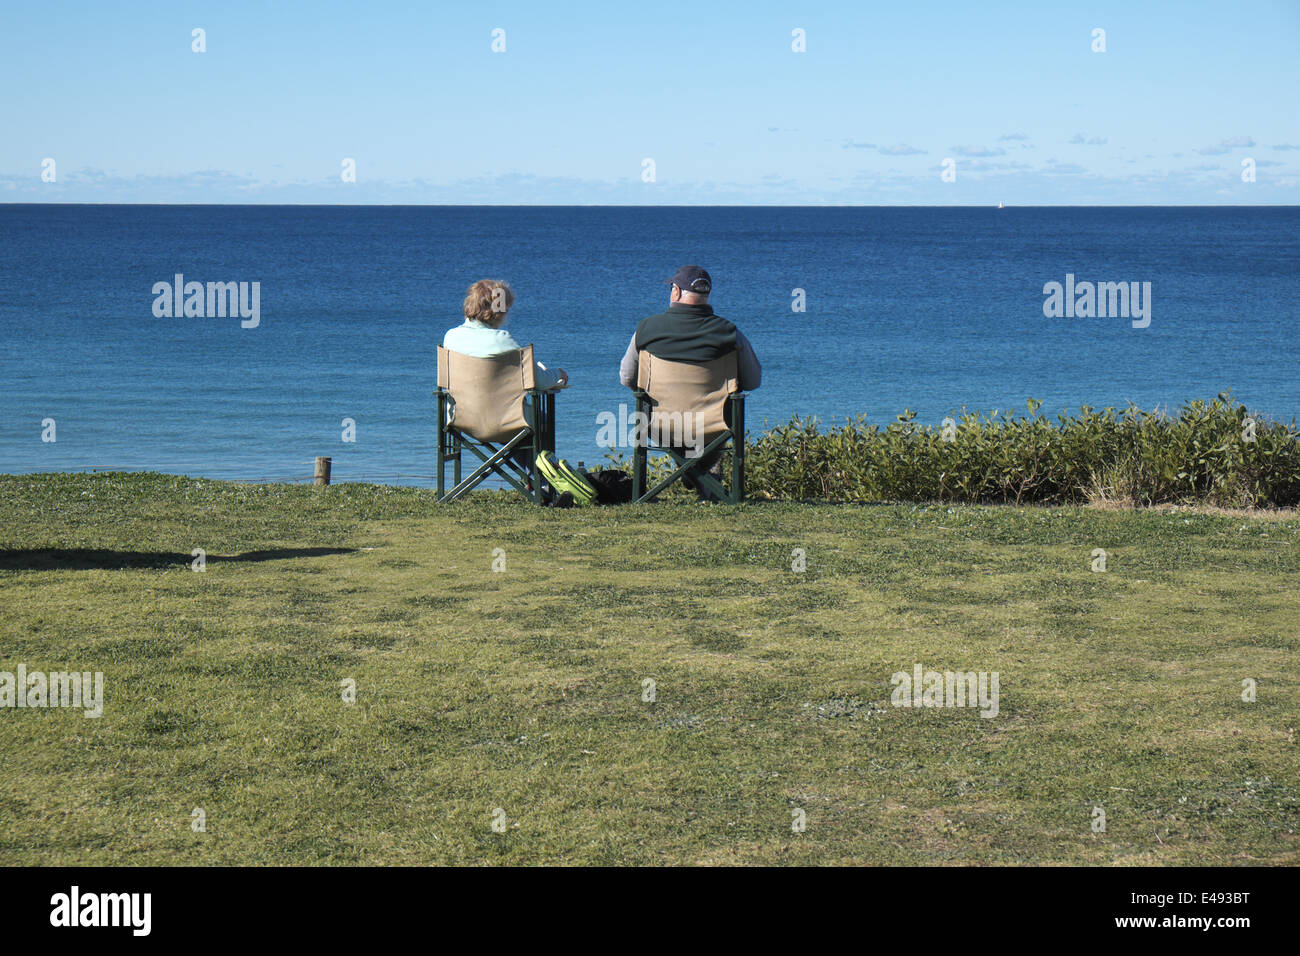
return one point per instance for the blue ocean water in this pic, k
(930, 309)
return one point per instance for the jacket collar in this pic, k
(682, 308)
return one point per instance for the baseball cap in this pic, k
(692, 279)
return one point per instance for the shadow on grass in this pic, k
(83, 559)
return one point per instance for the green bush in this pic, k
(1201, 455)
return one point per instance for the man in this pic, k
(690, 331)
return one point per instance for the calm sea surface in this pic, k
(923, 308)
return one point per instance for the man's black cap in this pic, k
(692, 279)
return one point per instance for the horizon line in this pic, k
(826, 205)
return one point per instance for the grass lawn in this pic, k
(523, 689)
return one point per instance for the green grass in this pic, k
(523, 690)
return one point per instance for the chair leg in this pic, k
(640, 451)
(737, 449)
(550, 423)
(737, 470)
(543, 439)
(536, 478)
(442, 444)
(639, 454)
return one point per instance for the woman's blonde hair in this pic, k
(488, 301)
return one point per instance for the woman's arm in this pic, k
(550, 378)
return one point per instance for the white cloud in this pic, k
(979, 150)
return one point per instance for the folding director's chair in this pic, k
(666, 394)
(493, 407)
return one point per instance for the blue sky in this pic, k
(1012, 93)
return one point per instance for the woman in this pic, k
(487, 304)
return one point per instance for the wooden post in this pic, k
(322, 471)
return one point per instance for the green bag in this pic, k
(562, 477)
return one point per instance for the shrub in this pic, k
(1201, 455)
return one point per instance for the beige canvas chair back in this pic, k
(488, 392)
(680, 388)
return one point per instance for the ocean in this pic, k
(928, 309)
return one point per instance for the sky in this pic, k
(645, 104)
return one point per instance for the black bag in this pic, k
(613, 486)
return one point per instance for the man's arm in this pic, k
(627, 369)
(749, 372)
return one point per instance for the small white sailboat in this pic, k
(1000, 206)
